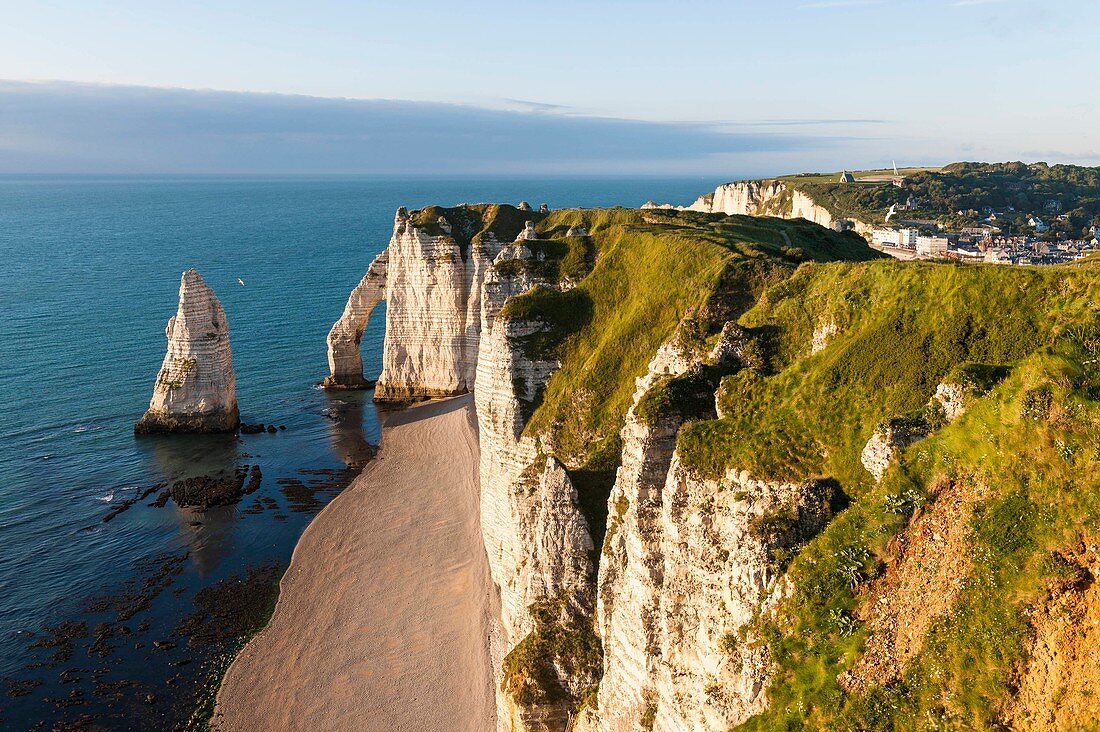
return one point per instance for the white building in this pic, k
(895, 238)
(1038, 224)
(931, 246)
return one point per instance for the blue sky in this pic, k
(747, 88)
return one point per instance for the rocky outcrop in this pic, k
(686, 565)
(537, 540)
(950, 398)
(430, 276)
(345, 362)
(886, 442)
(823, 333)
(766, 198)
(195, 389)
(433, 318)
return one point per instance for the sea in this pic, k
(117, 613)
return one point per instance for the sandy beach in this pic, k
(382, 620)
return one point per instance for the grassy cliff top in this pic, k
(470, 222)
(649, 269)
(1012, 488)
(902, 328)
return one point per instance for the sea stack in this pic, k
(195, 390)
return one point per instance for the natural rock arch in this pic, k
(345, 362)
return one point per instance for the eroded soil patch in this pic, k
(928, 565)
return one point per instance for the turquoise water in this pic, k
(89, 278)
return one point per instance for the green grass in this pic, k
(903, 328)
(469, 223)
(1033, 440)
(650, 270)
(563, 638)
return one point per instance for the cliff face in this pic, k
(536, 538)
(432, 311)
(195, 389)
(770, 198)
(686, 565)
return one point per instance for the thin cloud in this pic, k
(543, 107)
(824, 4)
(806, 122)
(61, 127)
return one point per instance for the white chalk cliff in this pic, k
(687, 562)
(766, 198)
(195, 389)
(444, 335)
(538, 542)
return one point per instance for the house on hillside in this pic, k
(1038, 224)
(932, 246)
(895, 238)
(847, 177)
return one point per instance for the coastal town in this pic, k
(1005, 236)
(980, 244)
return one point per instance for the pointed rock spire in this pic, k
(195, 390)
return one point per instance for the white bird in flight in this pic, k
(893, 210)
(240, 280)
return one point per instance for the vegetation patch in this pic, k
(468, 223)
(648, 272)
(564, 641)
(1040, 469)
(903, 328)
(690, 395)
(557, 315)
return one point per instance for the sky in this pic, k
(735, 88)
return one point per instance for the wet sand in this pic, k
(383, 615)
